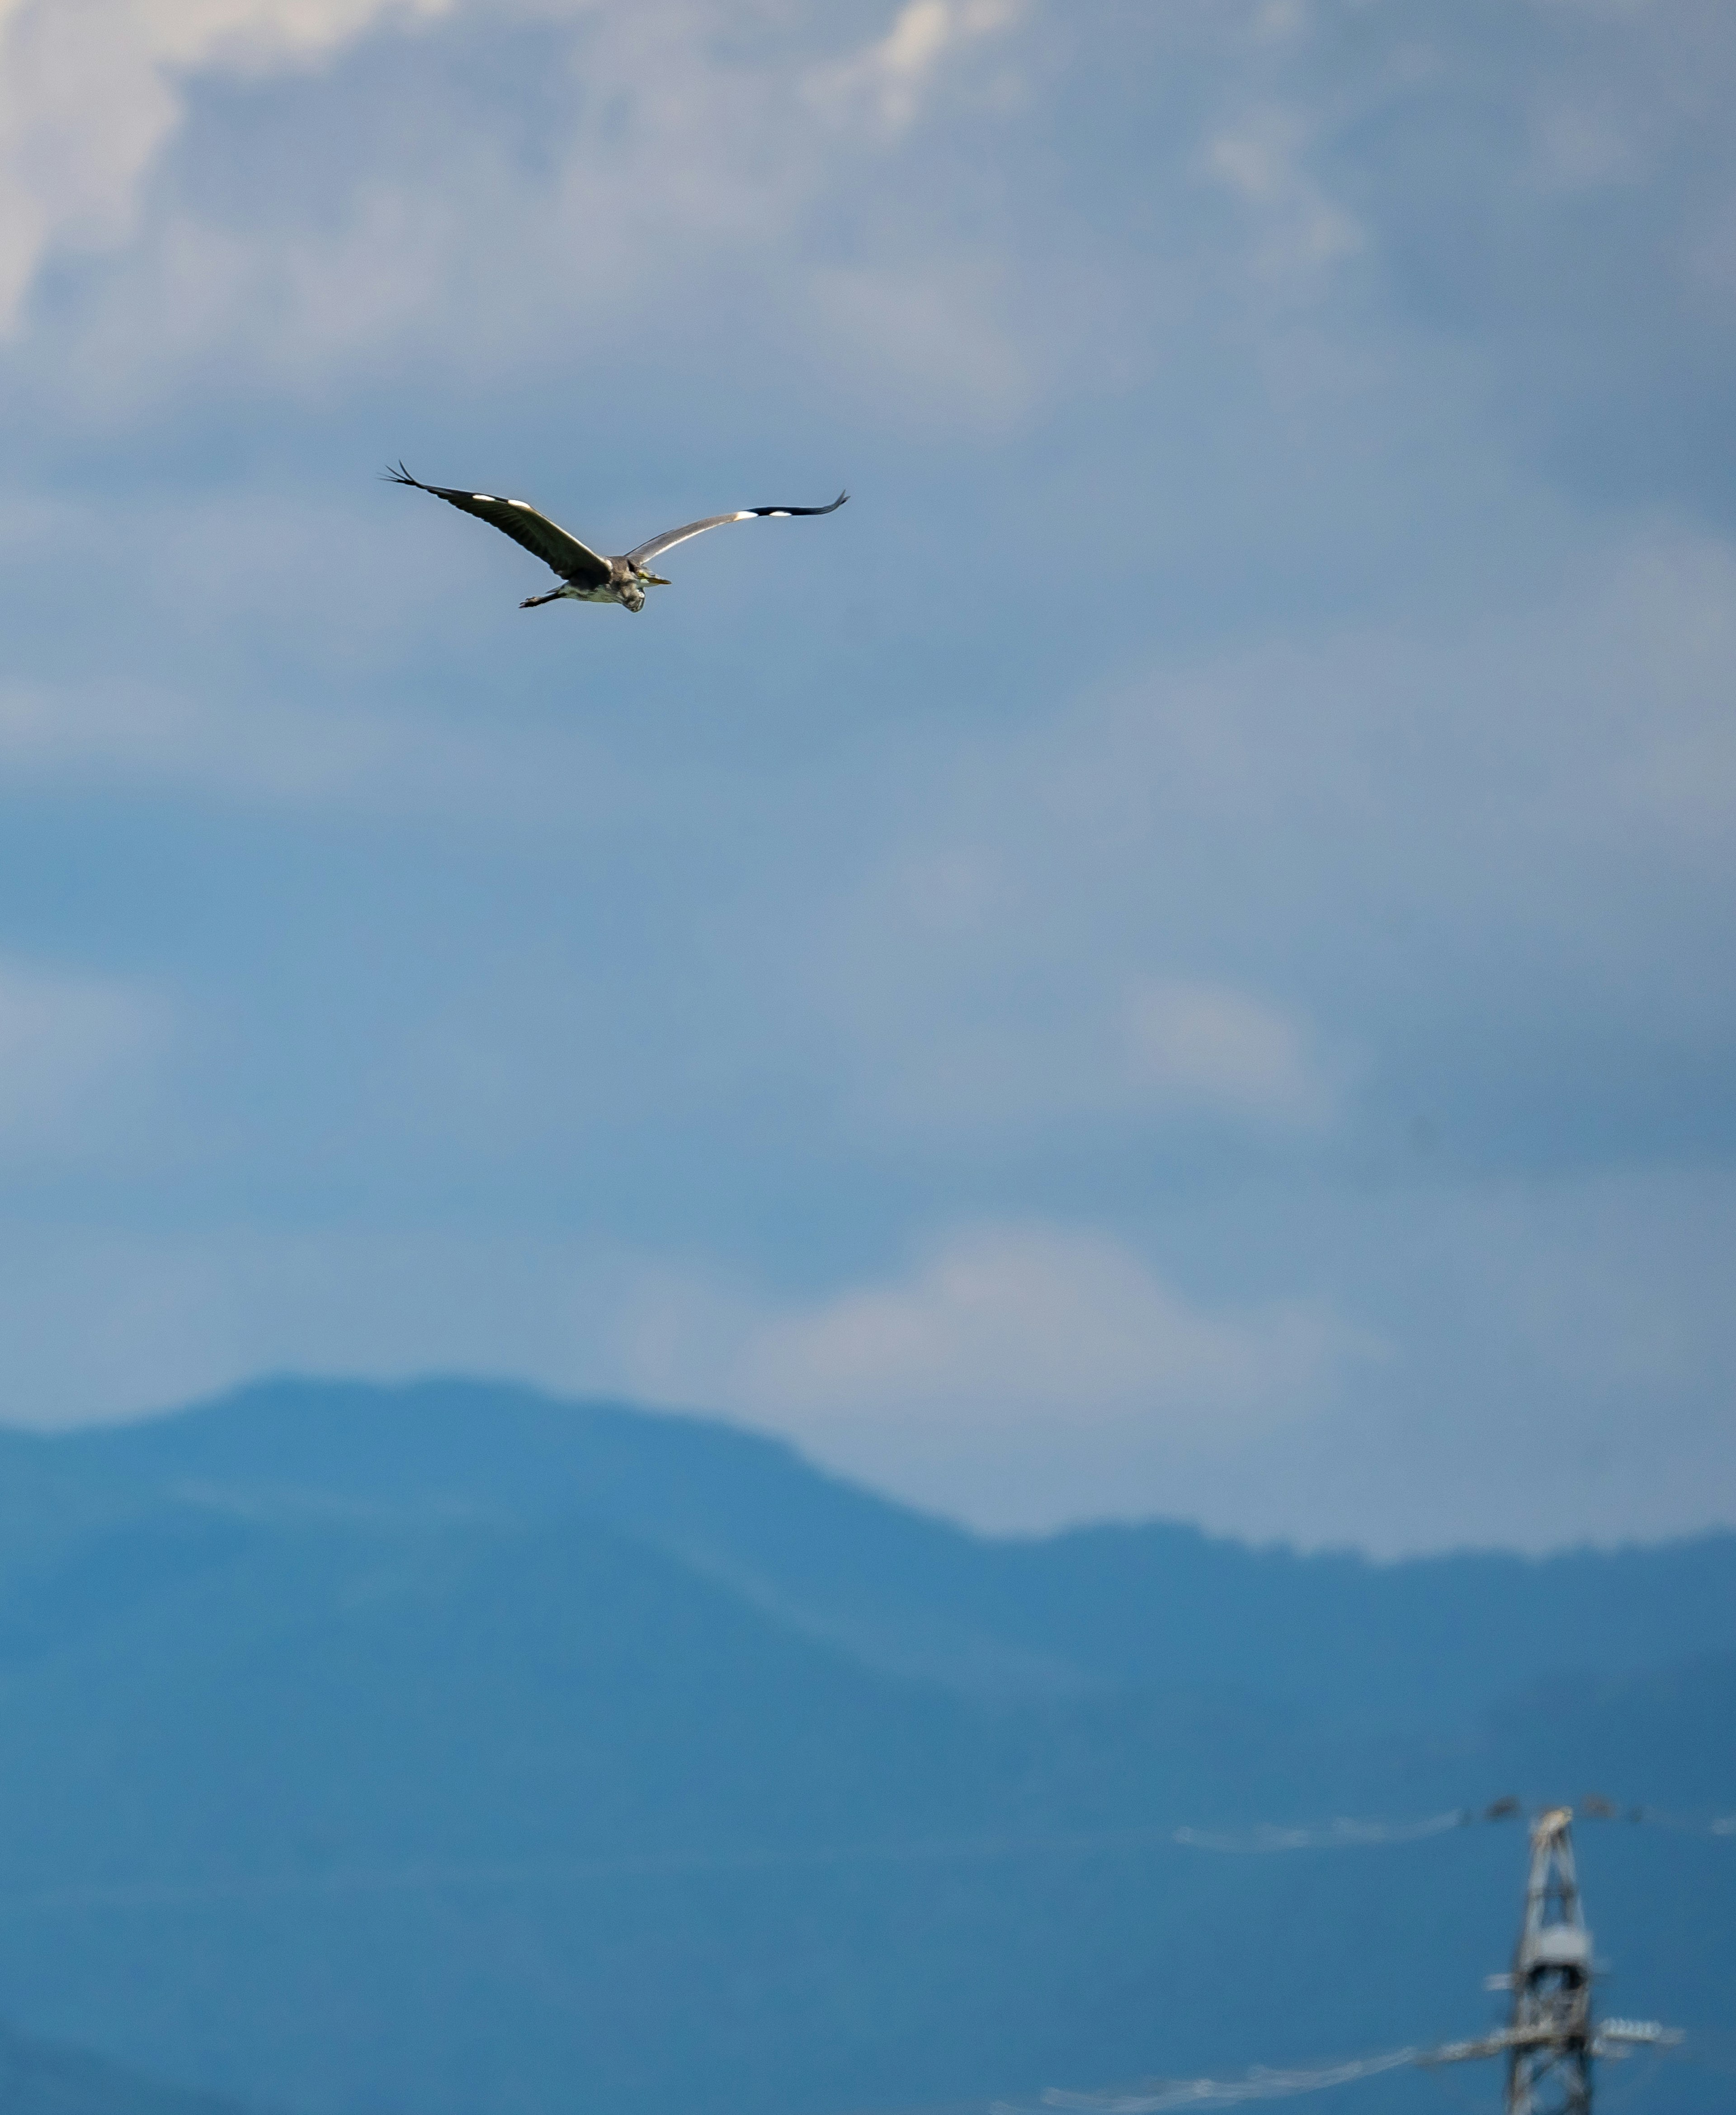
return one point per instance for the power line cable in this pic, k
(1336, 1835)
(1266, 1837)
(1339, 1835)
(1260, 2083)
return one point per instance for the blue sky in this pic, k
(1174, 956)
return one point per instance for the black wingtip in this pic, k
(402, 476)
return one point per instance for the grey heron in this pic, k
(585, 574)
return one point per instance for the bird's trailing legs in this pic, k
(554, 594)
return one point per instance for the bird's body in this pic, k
(586, 575)
(629, 592)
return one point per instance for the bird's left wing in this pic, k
(670, 537)
(518, 519)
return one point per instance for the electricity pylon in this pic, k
(1551, 2039)
(1549, 2057)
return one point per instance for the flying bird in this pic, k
(585, 574)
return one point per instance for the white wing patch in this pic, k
(523, 503)
(488, 496)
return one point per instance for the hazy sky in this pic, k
(1174, 956)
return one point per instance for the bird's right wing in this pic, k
(518, 519)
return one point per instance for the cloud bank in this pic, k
(1171, 957)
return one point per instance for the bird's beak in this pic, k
(656, 579)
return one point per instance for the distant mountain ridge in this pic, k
(1092, 1608)
(452, 1750)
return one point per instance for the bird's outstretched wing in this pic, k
(518, 519)
(670, 537)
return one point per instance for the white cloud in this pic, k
(693, 163)
(1001, 1325)
(893, 74)
(1208, 1046)
(89, 97)
(77, 1058)
(268, 33)
(929, 971)
(1019, 1375)
(1011, 1355)
(1261, 158)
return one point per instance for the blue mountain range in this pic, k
(455, 1750)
